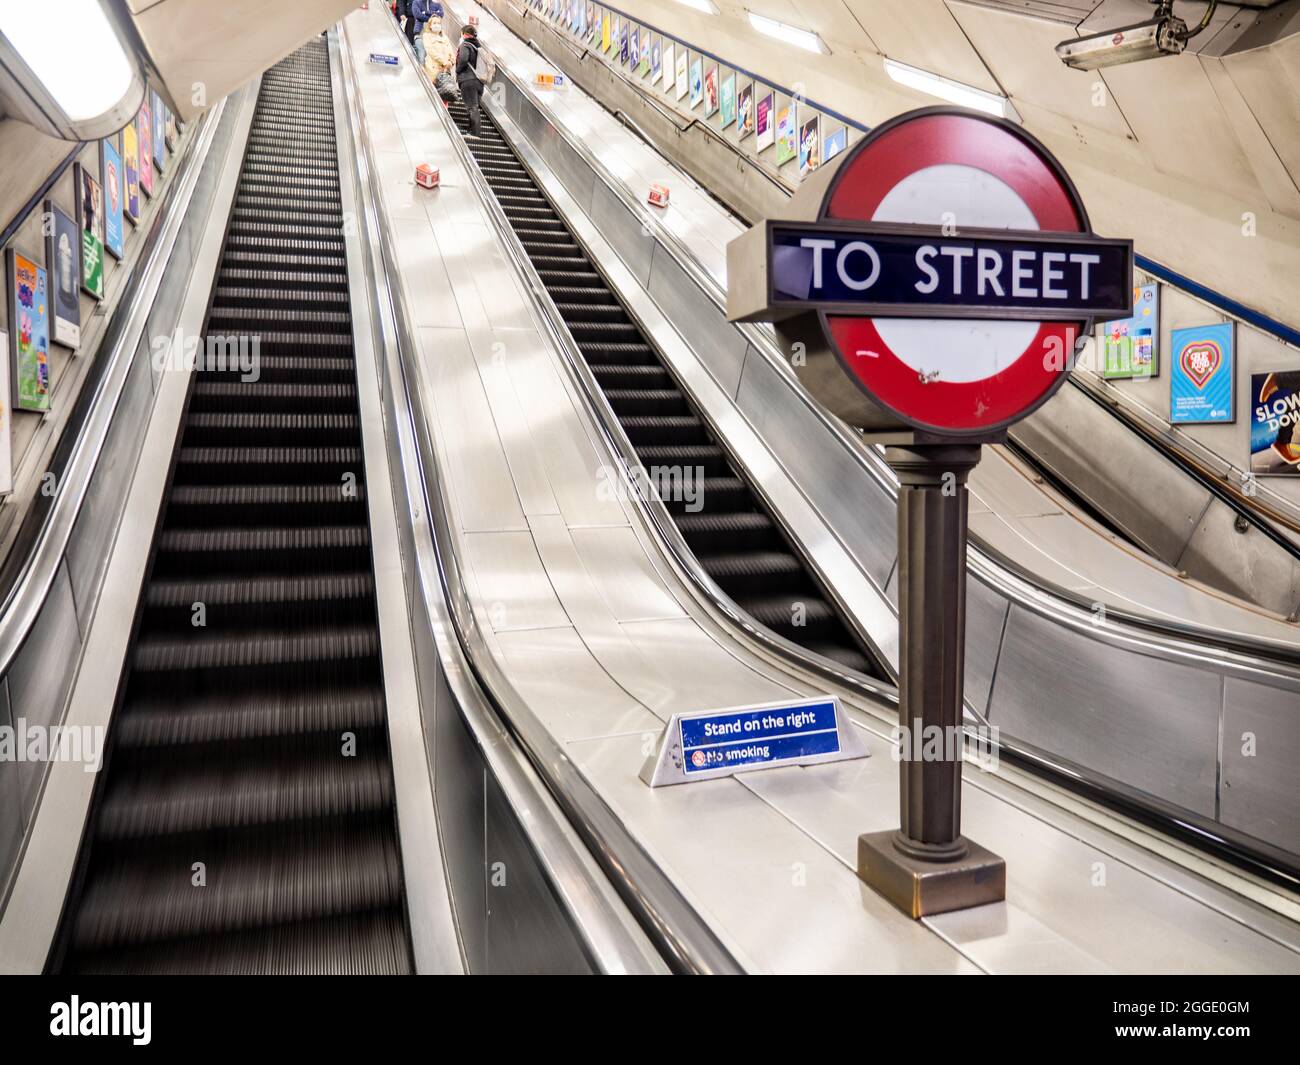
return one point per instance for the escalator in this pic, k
(736, 541)
(245, 819)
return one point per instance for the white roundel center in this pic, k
(957, 349)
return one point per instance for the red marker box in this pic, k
(658, 196)
(426, 176)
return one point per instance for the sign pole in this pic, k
(932, 333)
(927, 866)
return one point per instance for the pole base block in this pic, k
(919, 887)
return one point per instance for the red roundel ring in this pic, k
(956, 377)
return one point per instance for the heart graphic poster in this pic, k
(1200, 387)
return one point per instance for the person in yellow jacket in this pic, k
(439, 55)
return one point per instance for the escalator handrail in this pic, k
(1253, 654)
(29, 570)
(581, 847)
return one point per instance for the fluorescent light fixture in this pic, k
(805, 39)
(72, 50)
(707, 6)
(954, 92)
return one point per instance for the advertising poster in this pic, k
(604, 32)
(634, 48)
(623, 45)
(90, 216)
(615, 35)
(711, 91)
(809, 150)
(764, 127)
(1128, 345)
(745, 111)
(787, 145)
(668, 67)
(1200, 374)
(643, 68)
(159, 132)
(681, 78)
(834, 143)
(144, 134)
(169, 131)
(29, 323)
(656, 59)
(697, 82)
(63, 253)
(727, 100)
(114, 184)
(1274, 414)
(131, 170)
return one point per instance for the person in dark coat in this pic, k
(404, 12)
(471, 89)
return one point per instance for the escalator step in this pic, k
(371, 943)
(170, 795)
(154, 722)
(738, 544)
(300, 872)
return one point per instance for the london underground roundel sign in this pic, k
(950, 266)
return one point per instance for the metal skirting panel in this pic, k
(12, 818)
(1246, 563)
(1149, 722)
(862, 517)
(527, 933)
(459, 780)
(1068, 435)
(96, 525)
(1261, 749)
(699, 320)
(616, 225)
(40, 678)
(986, 617)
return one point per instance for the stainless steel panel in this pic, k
(572, 171)
(770, 885)
(12, 821)
(635, 247)
(526, 930)
(530, 119)
(548, 666)
(1149, 722)
(41, 674)
(96, 525)
(476, 464)
(1261, 752)
(851, 502)
(1087, 447)
(1249, 564)
(700, 321)
(458, 782)
(624, 575)
(513, 585)
(986, 614)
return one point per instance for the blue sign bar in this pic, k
(387, 60)
(919, 271)
(749, 737)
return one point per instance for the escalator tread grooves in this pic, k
(736, 541)
(230, 742)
